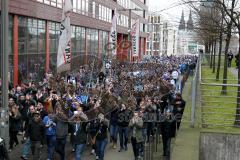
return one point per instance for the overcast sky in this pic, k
(173, 14)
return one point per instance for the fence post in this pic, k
(194, 93)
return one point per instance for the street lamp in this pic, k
(130, 26)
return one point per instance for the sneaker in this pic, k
(114, 146)
(93, 151)
(9, 150)
(97, 158)
(120, 150)
(23, 157)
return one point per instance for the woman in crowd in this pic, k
(14, 126)
(136, 124)
(101, 136)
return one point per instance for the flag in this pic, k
(135, 33)
(64, 46)
(113, 34)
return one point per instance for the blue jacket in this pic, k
(50, 131)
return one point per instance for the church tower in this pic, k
(190, 22)
(182, 22)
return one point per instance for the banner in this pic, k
(64, 46)
(135, 33)
(113, 34)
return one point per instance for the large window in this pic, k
(54, 32)
(103, 42)
(78, 46)
(54, 3)
(32, 56)
(92, 43)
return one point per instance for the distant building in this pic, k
(187, 42)
(162, 36)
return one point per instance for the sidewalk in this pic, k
(186, 146)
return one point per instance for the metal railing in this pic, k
(215, 108)
(152, 149)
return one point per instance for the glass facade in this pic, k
(32, 49)
(103, 35)
(92, 44)
(78, 46)
(54, 32)
(32, 34)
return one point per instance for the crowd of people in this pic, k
(95, 106)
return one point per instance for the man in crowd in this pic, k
(230, 57)
(54, 101)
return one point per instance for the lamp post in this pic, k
(130, 26)
(4, 70)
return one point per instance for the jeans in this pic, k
(36, 150)
(51, 142)
(114, 132)
(60, 147)
(26, 148)
(123, 134)
(137, 147)
(166, 145)
(144, 133)
(100, 147)
(79, 151)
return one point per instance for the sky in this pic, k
(173, 14)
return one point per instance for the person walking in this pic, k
(178, 108)
(114, 128)
(36, 134)
(80, 133)
(61, 131)
(101, 136)
(14, 125)
(50, 133)
(124, 117)
(27, 144)
(230, 57)
(136, 124)
(168, 130)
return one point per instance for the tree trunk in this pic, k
(229, 35)
(211, 54)
(214, 55)
(237, 117)
(219, 55)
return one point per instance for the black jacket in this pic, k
(36, 131)
(15, 122)
(124, 117)
(80, 137)
(168, 128)
(102, 129)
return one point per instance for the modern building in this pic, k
(162, 36)
(34, 27)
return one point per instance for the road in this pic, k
(110, 154)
